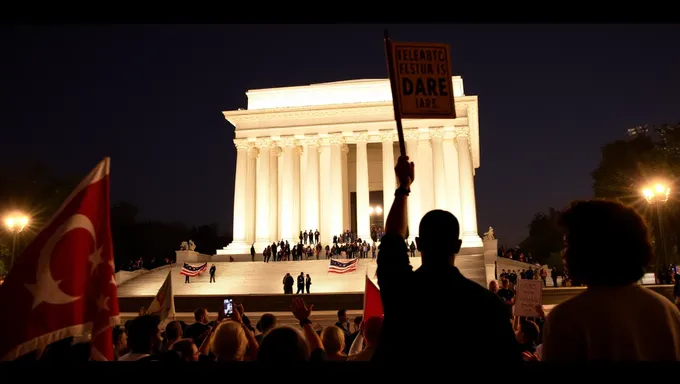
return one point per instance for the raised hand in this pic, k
(405, 171)
(300, 309)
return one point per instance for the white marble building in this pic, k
(304, 152)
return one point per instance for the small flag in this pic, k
(163, 305)
(372, 302)
(191, 271)
(340, 267)
(63, 284)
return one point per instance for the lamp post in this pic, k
(15, 224)
(656, 195)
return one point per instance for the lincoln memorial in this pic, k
(321, 156)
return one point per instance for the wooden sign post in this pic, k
(420, 78)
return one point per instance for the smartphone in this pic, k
(228, 307)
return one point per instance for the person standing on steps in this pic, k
(212, 273)
(288, 284)
(301, 283)
(308, 283)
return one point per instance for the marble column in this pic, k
(286, 187)
(467, 191)
(251, 173)
(262, 195)
(335, 169)
(240, 196)
(297, 152)
(439, 175)
(326, 236)
(346, 206)
(411, 138)
(389, 180)
(424, 172)
(363, 203)
(274, 155)
(304, 192)
(311, 186)
(452, 177)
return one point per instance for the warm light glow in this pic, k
(658, 193)
(377, 210)
(16, 222)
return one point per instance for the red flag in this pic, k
(372, 302)
(63, 284)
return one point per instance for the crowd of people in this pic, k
(134, 265)
(538, 273)
(282, 251)
(515, 254)
(614, 319)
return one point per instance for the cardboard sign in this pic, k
(529, 296)
(423, 79)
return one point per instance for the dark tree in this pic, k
(649, 155)
(545, 236)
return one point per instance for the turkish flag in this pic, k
(63, 284)
(372, 302)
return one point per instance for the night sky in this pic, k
(151, 97)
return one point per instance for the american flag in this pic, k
(188, 270)
(342, 266)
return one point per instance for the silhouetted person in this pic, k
(301, 283)
(252, 252)
(288, 284)
(607, 247)
(553, 275)
(436, 286)
(308, 282)
(144, 338)
(212, 273)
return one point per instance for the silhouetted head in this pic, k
(438, 238)
(493, 286)
(342, 315)
(144, 334)
(606, 243)
(173, 331)
(283, 344)
(267, 322)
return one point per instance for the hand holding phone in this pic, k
(228, 307)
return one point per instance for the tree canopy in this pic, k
(545, 236)
(650, 155)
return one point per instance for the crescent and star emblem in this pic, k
(46, 289)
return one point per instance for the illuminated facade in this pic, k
(311, 157)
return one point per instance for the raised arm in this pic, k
(397, 218)
(394, 268)
(302, 313)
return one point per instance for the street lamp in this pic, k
(656, 195)
(15, 223)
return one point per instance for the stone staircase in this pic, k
(247, 278)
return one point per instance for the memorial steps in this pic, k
(259, 278)
(259, 285)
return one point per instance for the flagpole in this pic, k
(395, 97)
